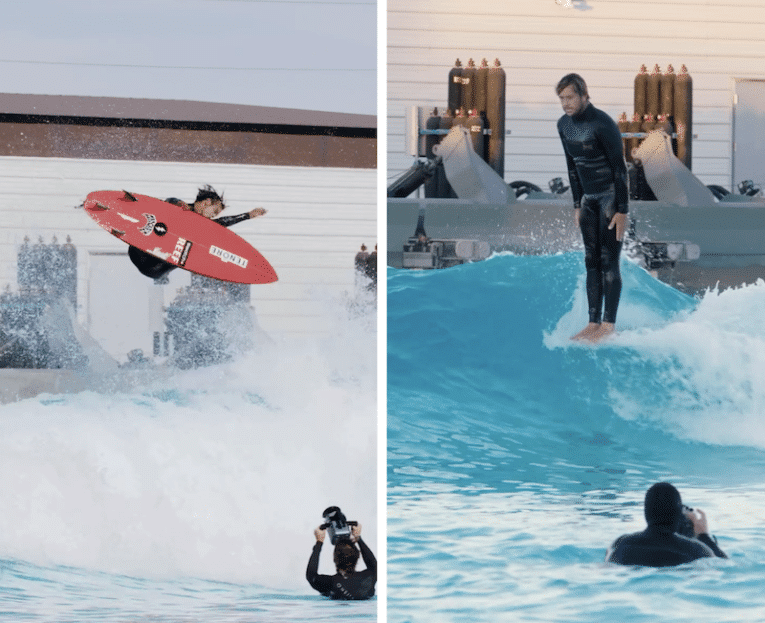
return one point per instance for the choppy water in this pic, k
(73, 594)
(515, 457)
(194, 496)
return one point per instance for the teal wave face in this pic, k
(485, 387)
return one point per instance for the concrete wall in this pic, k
(317, 219)
(606, 41)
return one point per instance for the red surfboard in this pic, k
(180, 237)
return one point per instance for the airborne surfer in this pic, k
(598, 175)
(209, 204)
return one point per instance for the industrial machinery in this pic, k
(690, 235)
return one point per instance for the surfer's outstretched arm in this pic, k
(228, 221)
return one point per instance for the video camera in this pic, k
(336, 524)
(686, 525)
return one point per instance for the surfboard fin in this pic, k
(117, 232)
(128, 196)
(96, 207)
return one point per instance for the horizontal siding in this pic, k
(620, 15)
(538, 41)
(317, 219)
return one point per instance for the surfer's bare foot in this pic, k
(604, 330)
(585, 333)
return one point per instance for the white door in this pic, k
(748, 133)
(124, 307)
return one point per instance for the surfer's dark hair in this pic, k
(580, 86)
(346, 556)
(208, 192)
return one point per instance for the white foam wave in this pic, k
(694, 366)
(712, 361)
(645, 303)
(219, 472)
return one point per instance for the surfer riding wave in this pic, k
(209, 204)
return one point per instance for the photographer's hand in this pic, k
(320, 534)
(356, 532)
(699, 520)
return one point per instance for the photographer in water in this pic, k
(675, 534)
(347, 583)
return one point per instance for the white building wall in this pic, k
(316, 222)
(606, 41)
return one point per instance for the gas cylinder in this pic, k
(653, 92)
(475, 125)
(24, 264)
(667, 92)
(649, 123)
(40, 260)
(684, 115)
(641, 91)
(433, 123)
(455, 86)
(495, 117)
(70, 268)
(663, 123)
(460, 118)
(360, 261)
(479, 92)
(468, 86)
(447, 120)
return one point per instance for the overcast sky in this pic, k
(308, 54)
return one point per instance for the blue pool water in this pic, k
(516, 457)
(192, 496)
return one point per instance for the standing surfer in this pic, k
(598, 175)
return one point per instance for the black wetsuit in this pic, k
(659, 545)
(358, 585)
(598, 175)
(156, 268)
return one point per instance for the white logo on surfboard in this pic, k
(227, 256)
(127, 218)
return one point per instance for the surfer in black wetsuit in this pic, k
(209, 204)
(347, 583)
(598, 175)
(660, 544)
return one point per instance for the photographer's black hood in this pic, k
(332, 512)
(663, 506)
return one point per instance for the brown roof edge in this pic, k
(175, 110)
